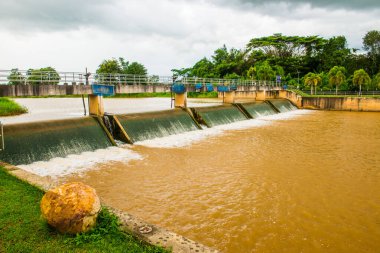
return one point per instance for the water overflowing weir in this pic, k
(257, 109)
(282, 105)
(41, 141)
(144, 126)
(218, 115)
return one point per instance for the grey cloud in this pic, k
(49, 15)
(325, 4)
(132, 16)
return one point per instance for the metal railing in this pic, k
(23, 77)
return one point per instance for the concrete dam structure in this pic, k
(42, 141)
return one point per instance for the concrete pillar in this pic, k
(180, 100)
(95, 104)
(229, 97)
(282, 93)
(261, 95)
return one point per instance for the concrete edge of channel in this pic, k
(147, 232)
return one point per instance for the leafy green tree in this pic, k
(312, 79)
(232, 76)
(361, 78)
(265, 71)
(337, 77)
(376, 81)
(334, 53)
(282, 46)
(111, 66)
(135, 68)
(252, 73)
(16, 77)
(112, 70)
(371, 43)
(46, 75)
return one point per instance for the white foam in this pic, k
(188, 138)
(58, 167)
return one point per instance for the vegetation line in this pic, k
(9, 107)
(23, 230)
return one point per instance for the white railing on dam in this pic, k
(36, 77)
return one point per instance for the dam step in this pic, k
(218, 115)
(282, 105)
(41, 141)
(150, 125)
(259, 109)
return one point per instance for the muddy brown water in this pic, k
(308, 184)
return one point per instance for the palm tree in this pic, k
(313, 80)
(337, 77)
(361, 78)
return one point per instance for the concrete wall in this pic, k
(342, 103)
(75, 89)
(43, 90)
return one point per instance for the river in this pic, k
(306, 182)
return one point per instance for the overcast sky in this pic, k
(70, 35)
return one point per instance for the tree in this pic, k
(334, 53)
(135, 68)
(265, 71)
(361, 78)
(252, 72)
(337, 77)
(111, 71)
(371, 43)
(282, 46)
(313, 80)
(376, 81)
(111, 66)
(15, 77)
(46, 75)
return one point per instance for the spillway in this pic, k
(41, 141)
(258, 109)
(283, 105)
(218, 115)
(145, 126)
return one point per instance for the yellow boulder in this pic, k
(71, 208)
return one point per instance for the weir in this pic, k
(41, 141)
(258, 109)
(145, 126)
(218, 115)
(283, 105)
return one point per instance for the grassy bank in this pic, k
(23, 230)
(9, 107)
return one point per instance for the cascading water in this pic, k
(258, 109)
(145, 126)
(41, 141)
(219, 115)
(283, 105)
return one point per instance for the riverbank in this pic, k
(9, 107)
(23, 230)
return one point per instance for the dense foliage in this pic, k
(294, 58)
(121, 66)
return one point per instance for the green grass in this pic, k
(22, 228)
(9, 107)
